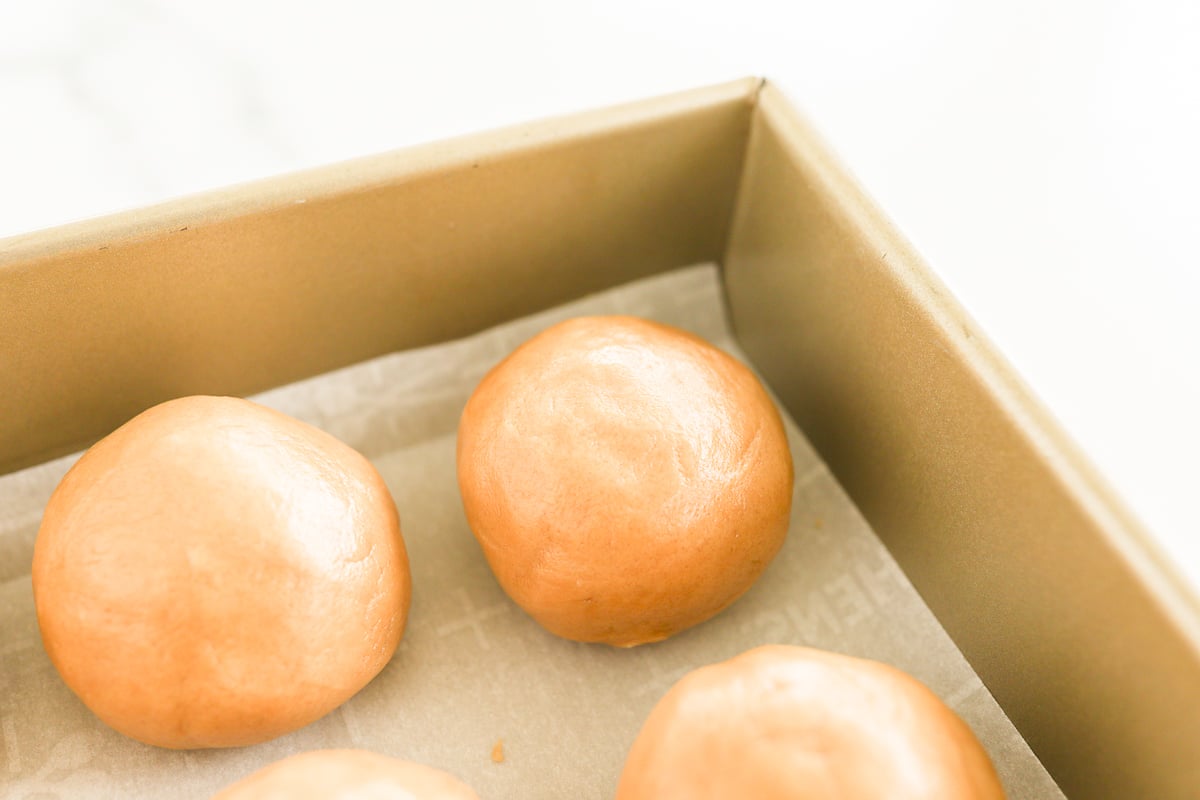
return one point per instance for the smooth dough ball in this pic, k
(347, 775)
(625, 479)
(790, 723)
(214, 573)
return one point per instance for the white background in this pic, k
(1043, 156)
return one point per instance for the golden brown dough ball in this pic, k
(790, 723)
(214, 573)
(347, 775)
(625, 479)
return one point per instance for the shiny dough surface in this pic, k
(347, 775)
(791, 723)
(625, 479)
(215, 573)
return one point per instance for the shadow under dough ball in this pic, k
(792, 723)
(347, 775)
(625, 479)
(214, 573)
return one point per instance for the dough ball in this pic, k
(214, 573)
(790, 723)
(625, 479)
(347, 775)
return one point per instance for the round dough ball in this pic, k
(790, 723)
(214, 573)
(347, 775)
(625, 479)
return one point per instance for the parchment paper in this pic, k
(473, 669)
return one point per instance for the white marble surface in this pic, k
(1041, 155)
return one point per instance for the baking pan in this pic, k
(1077, 625)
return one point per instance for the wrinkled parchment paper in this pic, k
(472, 669)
